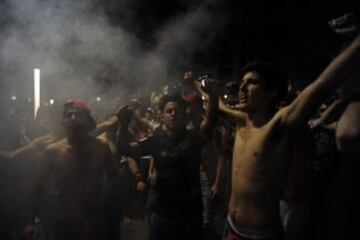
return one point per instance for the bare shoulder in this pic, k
(281, 114)
(102, 138)
(55, 147)
(102, 144)
(42, 139)
(50, 153)
(282, 117)
(277, 123)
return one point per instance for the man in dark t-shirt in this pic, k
(176, 206)
(177, 161)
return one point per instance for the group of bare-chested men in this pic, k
(265, 138)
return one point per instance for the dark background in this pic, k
(293, 34)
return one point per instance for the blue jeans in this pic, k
(175, 227)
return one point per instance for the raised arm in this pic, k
(5, 155)
(34, 146)
(40, 143)
(233, 115)
(124, 145)
(331, 114)
(209, 121)
(103, 126)
(337, 72)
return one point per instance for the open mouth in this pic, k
(243, 97)
(173, 121)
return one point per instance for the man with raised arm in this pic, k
(265, 140)
(176, 206)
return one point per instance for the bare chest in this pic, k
(70, 165)
(243, 147)
(257, 150)
(251, 146)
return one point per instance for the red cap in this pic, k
(76, 103)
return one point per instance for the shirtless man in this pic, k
(77, 165)
(265, 139)
(24, 161)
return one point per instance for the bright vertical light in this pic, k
(36, 90)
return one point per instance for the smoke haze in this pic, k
(82, 55)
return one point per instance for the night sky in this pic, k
(108, 47)
(293, 34)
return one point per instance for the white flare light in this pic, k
(36, 90)
(51, 101)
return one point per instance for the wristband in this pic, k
(139, 177)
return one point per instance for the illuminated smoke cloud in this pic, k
(72, 42)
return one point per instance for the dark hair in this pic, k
(171, 98)
(274, 79)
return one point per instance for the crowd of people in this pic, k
(206, 160)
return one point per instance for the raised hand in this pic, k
(124, 115)
(213, 87)
(347, 24)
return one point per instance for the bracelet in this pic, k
(139, 177)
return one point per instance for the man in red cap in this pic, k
(76, 165)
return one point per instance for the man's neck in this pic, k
(258, 119)
(173, 132)
(77, 139)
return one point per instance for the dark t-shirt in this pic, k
(177, 163)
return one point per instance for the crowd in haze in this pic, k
(250, 158)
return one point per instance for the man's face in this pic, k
(252, 93)
(75, 121)
(173, 115)
(188, 76)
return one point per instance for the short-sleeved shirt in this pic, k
(177, 163)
